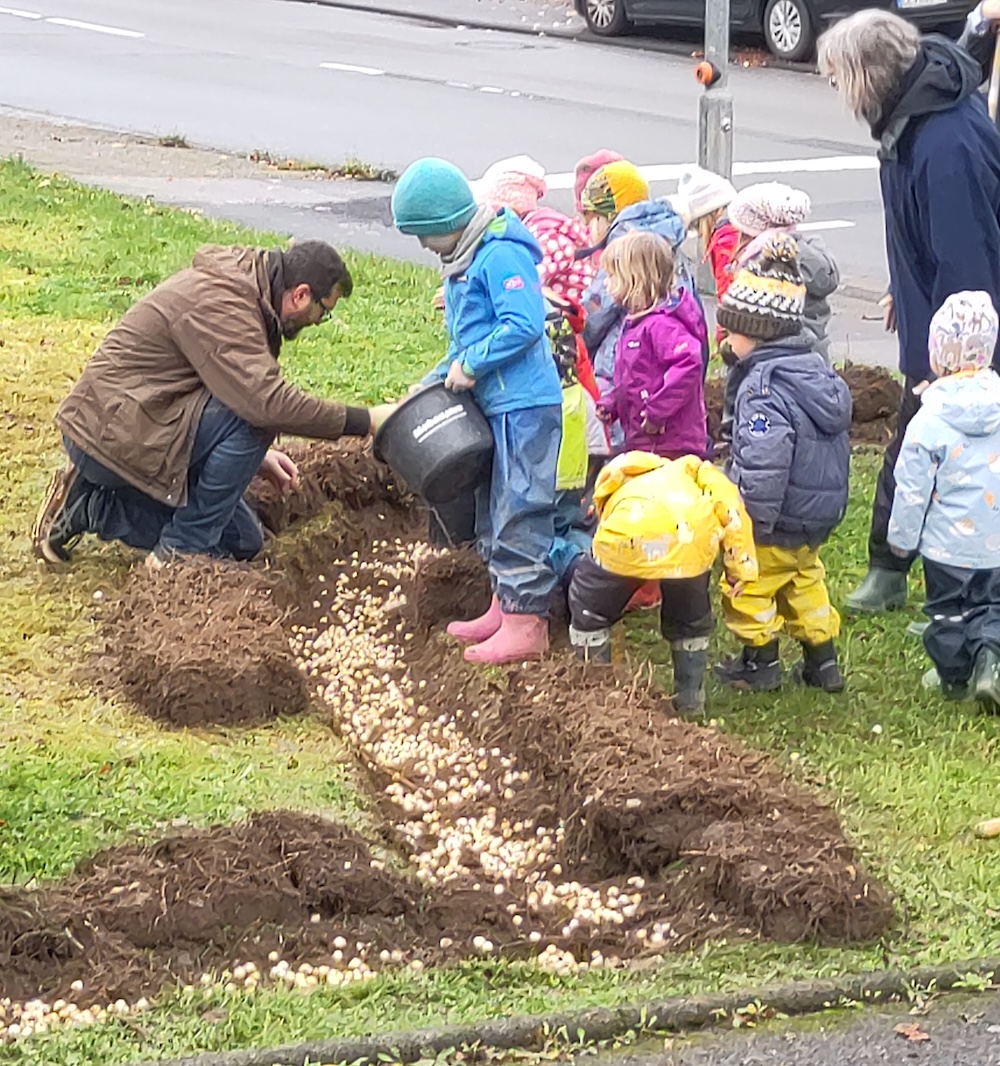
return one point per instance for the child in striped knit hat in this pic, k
(790, 460)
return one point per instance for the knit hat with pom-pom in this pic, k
(766, 297)
(769, 205)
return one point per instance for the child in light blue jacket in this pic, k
(498, 349)
(947, 502)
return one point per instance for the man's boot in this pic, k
(820, 668)
(690, 659)
(62, 517)
(520, 636)
(985, 683)
(757, 669)
(881, 590)
(478, 629)
(593, 647)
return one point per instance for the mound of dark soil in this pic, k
(202, 641)
(877, 396)
(875, 392)
(639, 790)
(132, 918)
(342, 471)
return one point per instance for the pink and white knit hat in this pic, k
(517, 183)
(963, 333)
(768, 205)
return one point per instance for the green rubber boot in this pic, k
(690, 659)
(985, 682)
(881, 590)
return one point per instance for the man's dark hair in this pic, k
(318, 265)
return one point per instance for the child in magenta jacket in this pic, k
(658, 393)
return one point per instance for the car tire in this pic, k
(606, 18)
(788, 29)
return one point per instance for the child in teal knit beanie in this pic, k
(498, 349)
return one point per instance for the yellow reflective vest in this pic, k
(663, 518)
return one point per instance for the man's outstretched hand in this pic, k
(280, 471)
(379, 413)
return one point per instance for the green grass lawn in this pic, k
(909, 773)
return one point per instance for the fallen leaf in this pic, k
(911, 1032)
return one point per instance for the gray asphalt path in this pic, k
(962, 1031)
(315, 82)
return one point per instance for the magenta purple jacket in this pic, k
(659, 376)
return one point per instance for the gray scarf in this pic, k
(459, 261)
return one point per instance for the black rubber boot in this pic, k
(819, 668)
(593, 647)
(756, 670)
(690, 659)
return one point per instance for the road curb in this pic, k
(673, 1014)
(446, 20)
(654, 45)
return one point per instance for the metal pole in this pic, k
(715, 109)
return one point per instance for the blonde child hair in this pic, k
(640, 269)
(705, 225)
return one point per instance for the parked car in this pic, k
(790, 27)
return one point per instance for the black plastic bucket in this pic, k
(438, 442)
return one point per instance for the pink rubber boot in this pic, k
(478, 629)
(520, 636)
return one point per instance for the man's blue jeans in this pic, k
(215, 520)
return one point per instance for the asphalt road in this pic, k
(962, 1030)
(316, 82)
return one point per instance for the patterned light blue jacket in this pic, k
(947, 503)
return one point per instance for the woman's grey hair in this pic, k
(865, 57)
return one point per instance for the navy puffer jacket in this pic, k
(791, 453)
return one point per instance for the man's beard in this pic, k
(290, 328)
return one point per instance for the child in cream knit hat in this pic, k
(760, 209)
(947, 502)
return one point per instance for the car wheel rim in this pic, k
(785, 25)
(601, 13)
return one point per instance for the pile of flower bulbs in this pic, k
(356, 655)
(18, 1021)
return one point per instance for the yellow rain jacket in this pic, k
(662, 519)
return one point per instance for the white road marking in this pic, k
(491, 89)
(94, 27)
(18, 14)
(672, 171)
(833, 223)
(350, 68)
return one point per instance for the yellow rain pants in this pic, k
(789, 593)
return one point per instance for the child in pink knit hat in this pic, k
(518, 184)
(587, 168)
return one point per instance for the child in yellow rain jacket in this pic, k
(661, 520)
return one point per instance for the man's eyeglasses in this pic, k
(324, 311)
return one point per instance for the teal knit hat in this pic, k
(432, 198)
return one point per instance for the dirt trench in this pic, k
(549, 811)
